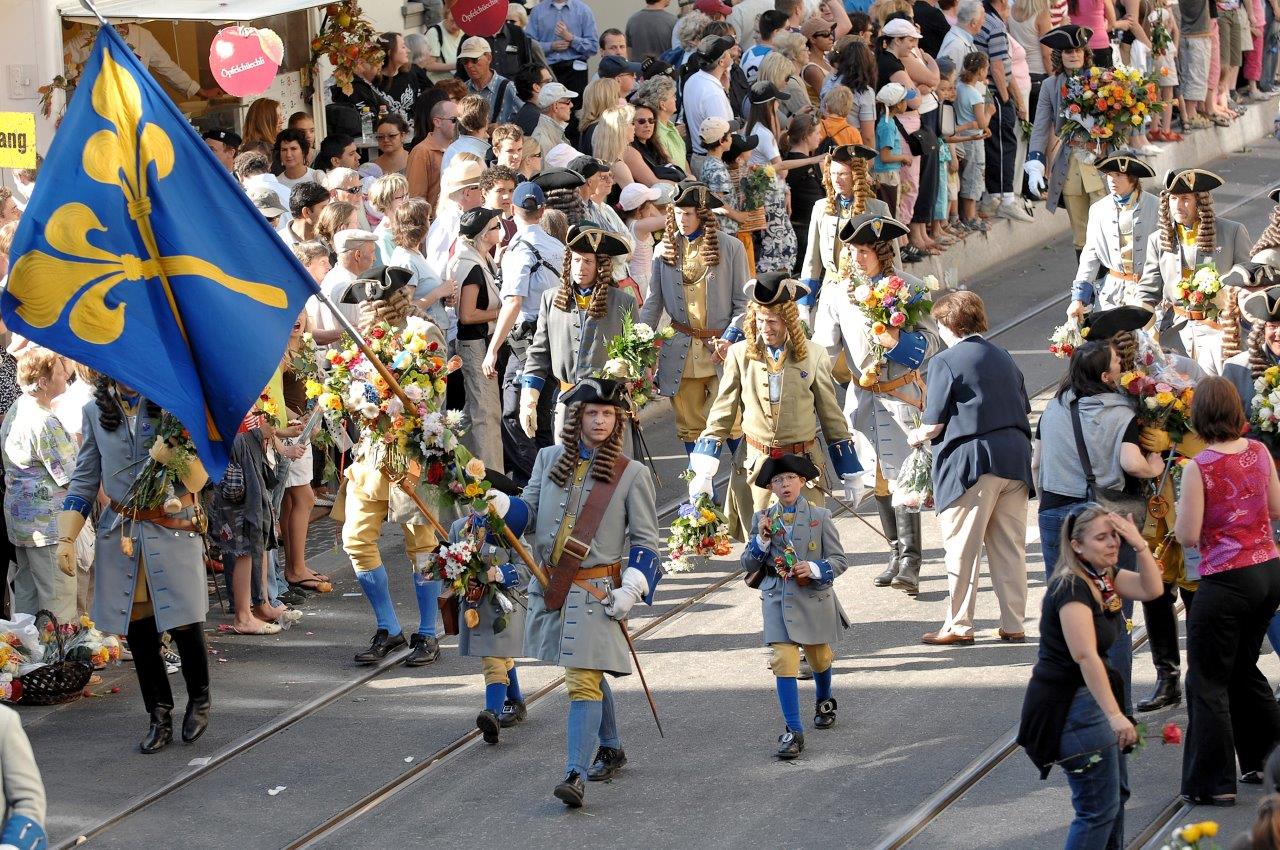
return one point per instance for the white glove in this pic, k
(704, 474)
(1034, 171)
(499, 501)
(621, 599)
(853, 488)
(529, 411)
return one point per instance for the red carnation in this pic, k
(435, 473)
(377, 333)
(433, 346)
(1171, 733)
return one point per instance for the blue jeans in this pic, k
(1097, 774)
(1120, 657)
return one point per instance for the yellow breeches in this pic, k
(785, 662)
(495, 669)
(363, 526)
(584, 684)
(692, 405)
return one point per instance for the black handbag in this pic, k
(1116, 501)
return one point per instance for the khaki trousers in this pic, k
(363, 526)
(993, 512)
(484, 404)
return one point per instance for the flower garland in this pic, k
(346, 38)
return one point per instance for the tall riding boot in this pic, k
(1162, 632)
(191, 646)
(889, 523)
(908, 579)
(153, 682)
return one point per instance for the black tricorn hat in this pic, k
(1104, 324)
(848, 153)
(870, 228)
(1274, 195)
(586, 239)
(1125, 162)
(693, 193)
(596, 391)
(377, 284)
(772, 288)
(474, 221)
(557, 178)
(500, 482)
(1067, 37)
(775, 466)
(1263, 306)
(1187, 180)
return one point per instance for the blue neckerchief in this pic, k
(695, 235)
(845, 203)
(776, 352)
(584, 453)
(586, 291)
(1121, 200)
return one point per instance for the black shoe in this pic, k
(824, 715)
(160, 734)
(488, 724)
(513, 712)
(196, 720)
(423, 649)
(1251, 777)
(381, 647)
(1167, 693)
(790, 745)
(293, 596)
(607, 764)
(906, 585)
(572, 791)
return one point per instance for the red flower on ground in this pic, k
(1171, 733)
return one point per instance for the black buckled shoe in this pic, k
(423, 649)
(513, 712)
(790, 745)
(160, 733)
(381, 646)
(196, 720)
(1168, 692)
(607, 764)
(489, 726)
(572, 791)
(824, 715)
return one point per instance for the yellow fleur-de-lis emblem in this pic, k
(79, 274)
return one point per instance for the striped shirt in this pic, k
(993, 40)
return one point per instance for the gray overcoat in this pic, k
(820, 263)
(726, 303)
(1162, 270)
(581, 635)
(1102, 250)
(1048, 122)
(809, 614)
(482, 641)
(173, 560)
(568, 345)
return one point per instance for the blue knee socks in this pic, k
(493, 697)
(378, 591)
(688, 447)
(513, 686)
(822, 683)
(608, 720)
(428, 593)
(583, 727)
(789, 700)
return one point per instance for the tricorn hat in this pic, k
(377, 284)
(870, 228)
(1067, 37)
(775, 466)
(1104, 324)
(1252, 275)
(1262, 306)
(848, 153)
(500, 482)
(1274, 195)
(1125, 162)
(596, 391)
(696, 194)
(1186, 180)
(773, 288)
(587, 239)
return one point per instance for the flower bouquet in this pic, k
(913, 488)
(699, 531)
(1264, 409)
(155, 485)
(347, 39)
(1195, 836)
(1066, 338)
(466, 575)
(890, 302)
(633, 355)
(1104, 106)
(83, 642)
(1198, 294)
(756, 185)
(1163, 400)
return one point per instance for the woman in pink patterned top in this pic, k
(1230, 494)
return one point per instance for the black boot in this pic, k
(790, 745)
(191, 646)
(489, 725)
(153, 682)
(889, 523)
(160, 733)
(908, 578)
(824, 714)
(572, 791)
(1162, 633)
(382, 645)
(1168, 692)
(607, 764)
(513, 712)
(423, 649)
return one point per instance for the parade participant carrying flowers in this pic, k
(1255, 372)
(793, 556)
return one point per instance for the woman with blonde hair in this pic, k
(409, 228)
(600, 95)
(263, 122)
(782, 71)
(531, 158)
(386, 194)
(612, 138)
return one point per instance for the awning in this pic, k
(212, 11)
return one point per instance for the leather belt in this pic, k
(890, 388)
(158, 515)
(780, 450)
(613, 572)
(1128, 278)
(1184, 313)
(697, 333)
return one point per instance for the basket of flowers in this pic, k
(60, 679)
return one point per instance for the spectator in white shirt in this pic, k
(704, 92)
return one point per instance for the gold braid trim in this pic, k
(570, 435)
(1231, 318)
(790, 314)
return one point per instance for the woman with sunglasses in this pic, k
(820, 38)
(1072, 714)
(391, 134)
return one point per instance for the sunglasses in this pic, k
(386, 137)
(1076, 513)
(356, 190)
(826, 34)
(643, 121)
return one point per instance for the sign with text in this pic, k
(480, 17)
(244, 60)
(17, 140)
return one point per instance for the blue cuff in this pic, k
(1038, 156)
(1082, 290)
(510, 575)
(707, 446)
(844, 458)
(24, 833)
(828, 574)
(80, 505)
(909, 351)
(646, 561)
(732, 334)
(754, 551)
(533, 382)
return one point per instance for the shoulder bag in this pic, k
(1117, 501)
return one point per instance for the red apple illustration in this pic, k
(244, 60)
(480, 17)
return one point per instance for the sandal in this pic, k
(267, 629)
(318, 584)
(912, 254)
(1220, 121)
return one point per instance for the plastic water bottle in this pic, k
(366, 123)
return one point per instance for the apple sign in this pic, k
(244, 60)
(480, 17)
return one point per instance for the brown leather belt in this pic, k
(890, 388)
(780, 450)
(1130, 278)
(697, 333)
(158, 515)
(1184, 313)
(613, 572)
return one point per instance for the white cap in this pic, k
(634, 195)
(349, 240)
(561, 155)
(899, 27)
(552, 92)
(891, 93)
(713, 129)
(473, 48)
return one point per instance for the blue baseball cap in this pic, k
(529, 196)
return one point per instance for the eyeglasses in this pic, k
(354, 190)
(642, 121)
(450, 120)
(386, 137)
(827, 34)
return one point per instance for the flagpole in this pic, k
(95, 12)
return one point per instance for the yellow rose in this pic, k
(1164, 399)
(1190, 834)
(314, 388)
(1127, 378)
(417, 345)
(1208, 828)
(439, 385)
(471, 490)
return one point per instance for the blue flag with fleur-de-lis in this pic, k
(141, 257)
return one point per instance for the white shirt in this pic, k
(144, 44)
(767, 149)
(439, 251)
(425, 280)
(523, 275)
(332, 285)
(69, 407)
(704, 97)
(743, 18)
(311, 174)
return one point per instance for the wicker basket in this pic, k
(58, 682)
(754, 223)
